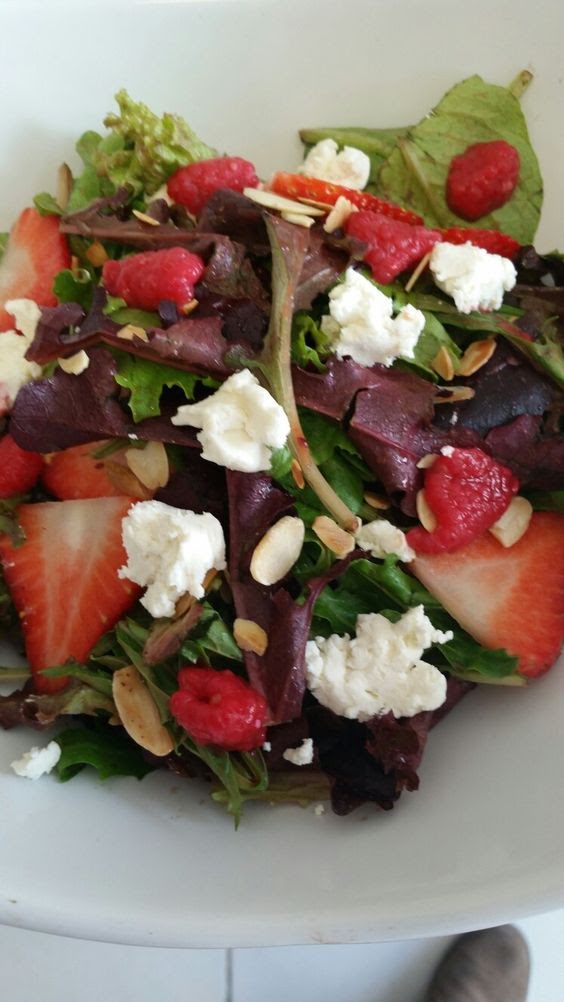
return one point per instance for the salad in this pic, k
(281, 460)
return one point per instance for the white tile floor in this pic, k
(53, 969)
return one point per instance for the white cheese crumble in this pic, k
(381, 538)
(350, 167)
(362, 325)
(447, 450)
(169, 552)
(474, 278)
(303, 755)
(319, 810)
(378, 671)
(15, 370)
(37, 761)
(241, 423)
(267, 746)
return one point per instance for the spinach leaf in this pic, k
(108, 750)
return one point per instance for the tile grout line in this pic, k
(229, 975)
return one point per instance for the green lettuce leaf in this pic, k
(4, 237)
(310, 346)
(108, 750)
(146, 381)
(74, 288)
(546, 500)
(473, 111)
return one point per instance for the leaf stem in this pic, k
(476, 676)
(519, 85)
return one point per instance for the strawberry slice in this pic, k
(63, 579)
(493, 241)
(301, 186)
(19, 469)
(511, 598)
(393, 245)
(75, 473)
(36, 252)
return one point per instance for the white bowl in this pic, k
(155, 862)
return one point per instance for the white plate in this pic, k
(154, 862)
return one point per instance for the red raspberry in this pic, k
(482, 179)
(393, 246)
(19, 470)
(145, 279)
(467, 491)
(493, 241)
(193, 185)
(219, 708)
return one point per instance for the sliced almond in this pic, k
(325, 206)
(475, 356)
(150, 464)
(185, 602)
(443, 364)
(75, 364)
(189, 307)
(453, 394)
(138, 712)
(75, 266)
(426, 461)
(131, 331)
(418, 271)
(424, 513)
(376, 501)
(513, 523)
(64, 186)
(125, 480)
(278, 550)
(298, 219)
(297, 474)
(339, 214)
(144, 218)
(270, 200)
(331, 535)
(97, 254)
(250, 636)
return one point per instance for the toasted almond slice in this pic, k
(424, 513)
(340, 212)
(144, 218)
(131, 331)
(376, 501)
(297, 474)
(278, 550)
(185, 602)
(298, 219)
(513, 523)
(250, 636)
(325, 206)
(475, 356)
(426, 461)
(125, 480)
(97, 254)
(418, 271)
(138, 712)
(75, 364)
(454, 394)
(64, 186)
(331, 535)
(270, 200)
(443, 364)
(189, 307)
(75, 266)
(150, 464)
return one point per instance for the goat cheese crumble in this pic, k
(37, 762)
(302, 755)
(15, 370)
(379, 670)
(241, 423)
(350, 167)
(169, 552)
(474, 278)
(381, 538)
(362, 325)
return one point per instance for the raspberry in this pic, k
(393, 246)
(492, 241)
(482, 179)
(19, 470)
(467, 491)
(194, 185)
(219, 708)
(145, 279)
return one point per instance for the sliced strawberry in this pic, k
(64, 580)
(493, 241)
(511, 598)
(393, 246)
(36, 252)
(300, 186)
(19, 469)
(75, 473)
(467, 491)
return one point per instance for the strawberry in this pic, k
(75, 473)
(511, 598)
(482, 179)
(493, 241)
(64, 581)
(36, 252)
(393, 246)
(19, 469)
(300, 186)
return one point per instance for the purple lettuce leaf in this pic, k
(199, 486)
(536, 458)
(333, 391)
(321, 268)
(236, 216)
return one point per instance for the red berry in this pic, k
(467, 491)
(219, 708)
(145, 279)
(194, 185)
(393, 246)
(76, 473)
(482, 179)
(19, 470)
(298, 186)
(491, 240)
(36, 252)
